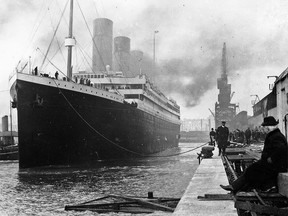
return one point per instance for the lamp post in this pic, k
(271, 86)
(154, 46)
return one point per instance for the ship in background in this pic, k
(8, 141)
(224, 109)
(108, 112)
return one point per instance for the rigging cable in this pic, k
(85, 58)
(94, 44)
(110, 141)
(59, 48)
(97, 13)
(36, 26)
(58, 43)
(54, 65)
(53, 36)
(82, 50)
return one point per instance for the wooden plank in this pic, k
(270, 210)
(97, 199)
(240, 157)
(95, 206)
(250, 196)
(235, 151)
(256, 155)
(216, 197)
(262, 194)
(148, 204)
(133, 211)
(259, 197)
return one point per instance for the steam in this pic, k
(188, 45)
(182, 77)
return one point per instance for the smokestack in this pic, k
(122, 54)
(102, 44)
(5, 123)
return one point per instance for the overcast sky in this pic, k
(188, 45)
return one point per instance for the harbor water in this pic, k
(47, 191)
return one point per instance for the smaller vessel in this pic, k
(8, 142)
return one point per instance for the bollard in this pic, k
(150, 195)
(116, 206)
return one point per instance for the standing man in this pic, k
(248, 135)
(212, 135)
(263, 173)
(222, 135)
(56, 75)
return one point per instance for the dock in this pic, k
(203, 195)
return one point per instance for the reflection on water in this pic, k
(47, 191)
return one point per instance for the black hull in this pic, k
(65, 127)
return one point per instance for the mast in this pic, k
(70, 42)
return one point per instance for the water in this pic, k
(46, 192)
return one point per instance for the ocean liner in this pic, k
(94, 115)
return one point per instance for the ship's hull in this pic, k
(60, 126)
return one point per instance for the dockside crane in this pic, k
(232, 94)
(212, 112)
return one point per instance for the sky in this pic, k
(188, 44)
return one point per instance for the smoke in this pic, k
(196, 70)
(182, 77)
(188, 45)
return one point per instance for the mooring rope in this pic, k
(113, 143)
(9, 153)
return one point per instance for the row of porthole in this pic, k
(91, 91)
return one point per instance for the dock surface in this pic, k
(206, 180)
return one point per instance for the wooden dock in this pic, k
(203, 195)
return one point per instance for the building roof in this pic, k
(282, 76)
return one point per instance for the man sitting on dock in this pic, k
(263, 173)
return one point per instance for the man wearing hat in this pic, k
(263, 173)
(222, 134)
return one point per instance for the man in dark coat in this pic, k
(263, 173)
(248, 135)
(222, 134)
(212, 135)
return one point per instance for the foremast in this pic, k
(70, 42)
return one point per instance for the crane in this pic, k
(232, 94)
(257, 99)
(211, 112)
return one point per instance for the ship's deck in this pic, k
(206, 180)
